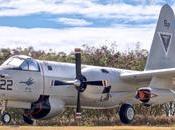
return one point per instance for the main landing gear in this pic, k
(126, 113)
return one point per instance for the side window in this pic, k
(49, 67)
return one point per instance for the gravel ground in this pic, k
(85, 128)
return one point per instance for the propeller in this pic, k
(80, 82)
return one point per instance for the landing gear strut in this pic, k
(126, 113)
(27, 117)
(27, 120)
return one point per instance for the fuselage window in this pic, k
(49, 67)
(104, 71)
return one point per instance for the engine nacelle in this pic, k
(93, 92)
(45, 107)
(56, 107)
(155, 95)
(144, 94)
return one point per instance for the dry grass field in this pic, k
(84, 128)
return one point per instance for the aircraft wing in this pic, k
(147, 75)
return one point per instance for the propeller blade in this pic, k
(97, 83)
(78, 63)
(59, 83)
(78, 77)
(78, 108)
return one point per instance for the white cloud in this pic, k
(67, 39)
(73, 22)
(87, 8)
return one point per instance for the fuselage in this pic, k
(26, 84)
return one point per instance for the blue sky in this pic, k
(62, 25)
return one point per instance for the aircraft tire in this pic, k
(126, 113)
(6, 118)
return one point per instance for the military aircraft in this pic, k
(43, 89)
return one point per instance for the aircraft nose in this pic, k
(3, 73)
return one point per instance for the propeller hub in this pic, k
(77, 83)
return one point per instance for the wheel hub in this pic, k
(6, 118)
(130, 113)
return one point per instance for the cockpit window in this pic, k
(33, 65)
(30, 65)
(14, 61)
(24, 66)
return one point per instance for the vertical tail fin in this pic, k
(162, 52)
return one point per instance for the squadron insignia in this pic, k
(28, 82)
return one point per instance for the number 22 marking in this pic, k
(6, 84)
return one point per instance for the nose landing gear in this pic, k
(5, 116)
